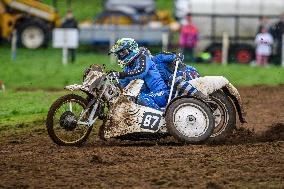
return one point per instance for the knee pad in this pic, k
(147, 100)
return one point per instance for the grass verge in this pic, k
(43, 69)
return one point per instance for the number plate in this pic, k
(151, 121)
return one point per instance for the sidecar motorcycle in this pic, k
(191, 119)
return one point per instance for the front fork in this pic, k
(94, 106)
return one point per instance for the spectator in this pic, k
(263, 23)
(263, 41)
(188, 39)
(70, 22)
(277, 32)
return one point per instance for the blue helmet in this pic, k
(125, 49)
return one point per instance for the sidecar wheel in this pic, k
(225, 115)
(61, 122)
(190, 120)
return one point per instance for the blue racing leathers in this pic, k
(165, 64)
(155, 92)
(182, 84)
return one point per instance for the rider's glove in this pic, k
(114, 75)
(180, 56)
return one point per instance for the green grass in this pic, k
(43, 69)
(245, 75)
(23, 103)
(22, 111)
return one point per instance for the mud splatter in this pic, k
(274, 133)
(244, 135)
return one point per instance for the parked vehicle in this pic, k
(130, 12)
(106, 34)
(137, 19)
(191, 119)
(239, 18)
(32, 19)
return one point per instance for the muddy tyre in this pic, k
(62, 119)
(224, 115)
(189, 120)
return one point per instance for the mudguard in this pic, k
(74, 87)
(233, 93)
(209, 84)
(91, 81)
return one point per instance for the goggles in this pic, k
(122, 54)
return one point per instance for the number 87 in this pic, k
(148, 119)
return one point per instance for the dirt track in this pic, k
(246, 160)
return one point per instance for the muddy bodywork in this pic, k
(91, 82)
(209, 84)
(93, 78)
(125, 117)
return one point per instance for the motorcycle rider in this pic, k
(138, 65)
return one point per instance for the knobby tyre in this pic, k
(62, 119)
(225, 115)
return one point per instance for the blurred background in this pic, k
(233, 23)
(239, 39)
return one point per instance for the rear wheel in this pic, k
(189, 120)
(62, 121)
(243, 54)
(224, 113)
(215, 50)
(217, 55)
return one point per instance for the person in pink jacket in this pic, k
(188, 39)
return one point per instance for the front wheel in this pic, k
(190, 120)
(63, 124)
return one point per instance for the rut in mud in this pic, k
(242, 135)
(253, 157)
